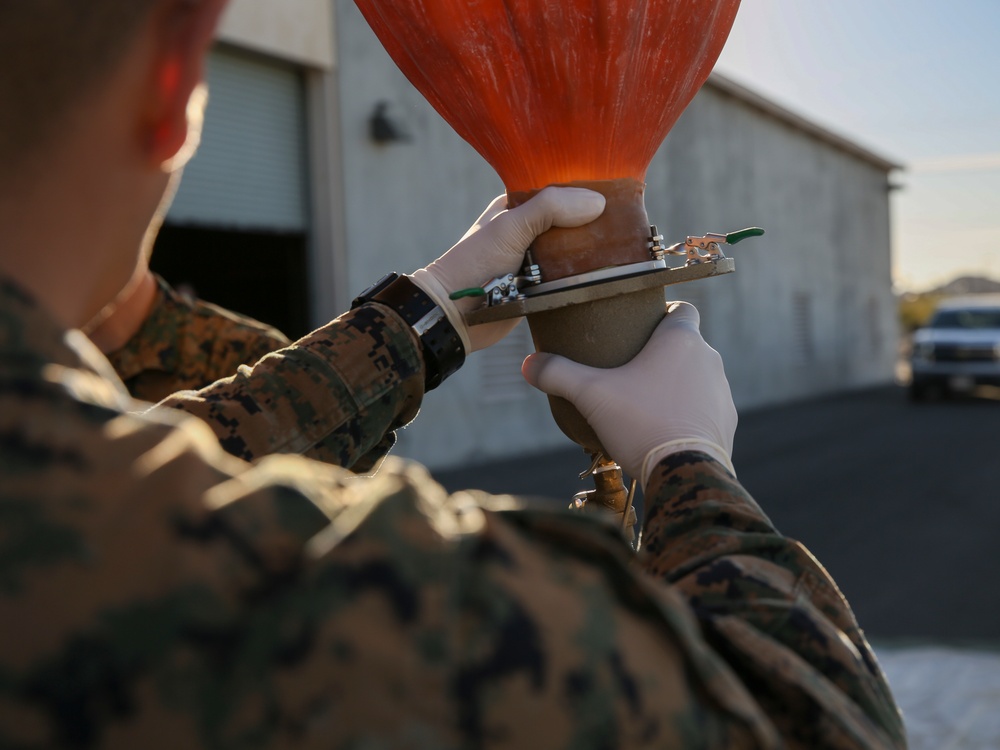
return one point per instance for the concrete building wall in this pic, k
(299, 31)
(810, 309)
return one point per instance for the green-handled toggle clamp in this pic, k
(733, 237)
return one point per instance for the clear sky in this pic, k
(916, 81)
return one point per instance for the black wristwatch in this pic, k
(441, 345)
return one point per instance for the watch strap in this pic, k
(441, 346)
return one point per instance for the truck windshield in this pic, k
(978, 318)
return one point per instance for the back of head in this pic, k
(53, 54)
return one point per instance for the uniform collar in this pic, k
(155, 346)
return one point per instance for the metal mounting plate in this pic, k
(599, 290)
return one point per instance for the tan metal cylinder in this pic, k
(603, 333)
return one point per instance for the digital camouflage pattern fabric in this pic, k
(337, 396)
(155, 591)
(186, 343)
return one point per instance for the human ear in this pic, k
(183, 31)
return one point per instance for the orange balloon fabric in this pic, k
(556, 91)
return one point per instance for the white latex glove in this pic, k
(673, 396)
(495, 246)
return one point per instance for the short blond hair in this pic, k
(53, 53)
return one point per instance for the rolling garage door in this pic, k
(250, 169)
(237, 232)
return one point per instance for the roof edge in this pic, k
(769, 107)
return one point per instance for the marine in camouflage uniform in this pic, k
(186, 344)
(157, 592)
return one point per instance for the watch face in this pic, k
(374, 289)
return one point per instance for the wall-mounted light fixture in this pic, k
(384, 129)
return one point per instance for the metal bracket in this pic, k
(656, 248)
(611, 288)
(704, 249)
(516, 296)
(500, 289)
(699, 249)
(503, 288)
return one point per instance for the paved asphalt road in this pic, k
(900, 501)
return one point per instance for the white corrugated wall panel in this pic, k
(249, 171)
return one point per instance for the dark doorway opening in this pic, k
(260, 274)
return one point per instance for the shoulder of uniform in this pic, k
(214, 317)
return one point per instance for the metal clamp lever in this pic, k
(502, 288)
(704, 249)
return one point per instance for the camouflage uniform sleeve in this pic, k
(255, 344)
(768, 607)
(185, 343)
(217, 342)
(335, 395)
